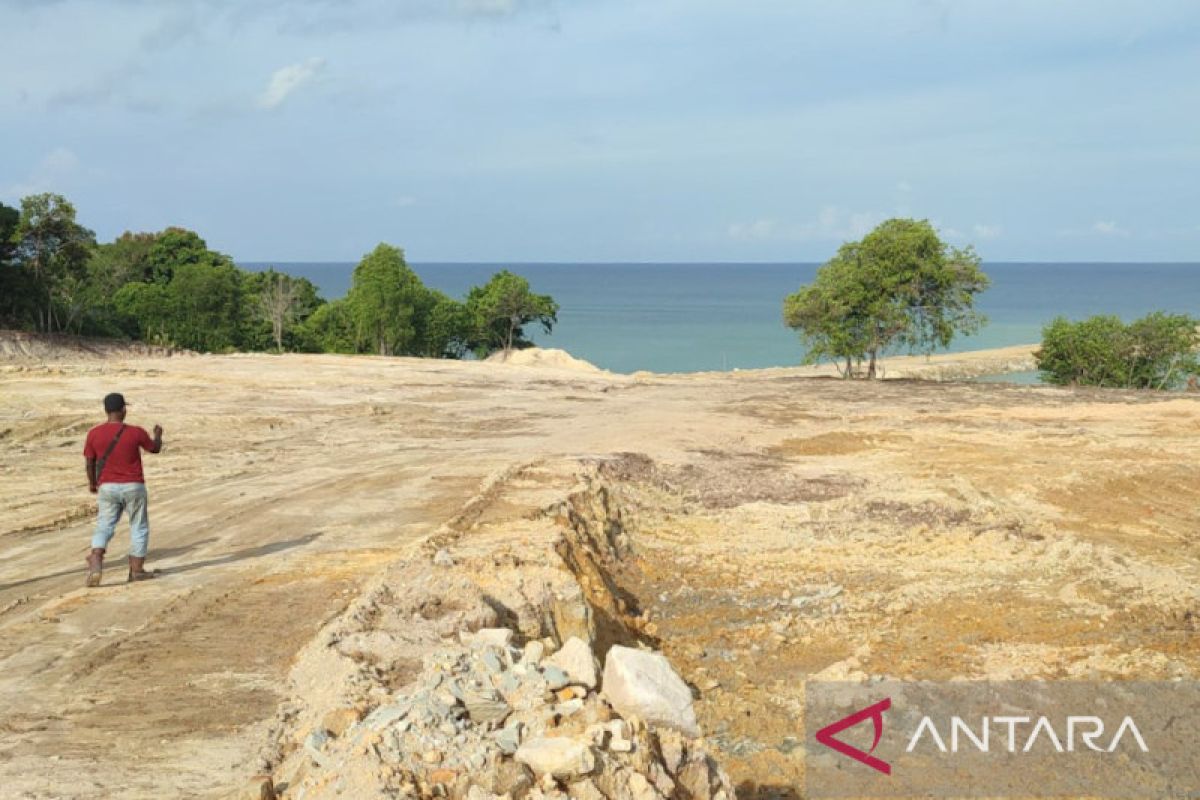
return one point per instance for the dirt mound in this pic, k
(21, 346)
(543, 357)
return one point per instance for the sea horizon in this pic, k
(718, 315)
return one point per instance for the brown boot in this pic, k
(137, 571)
(95, 563)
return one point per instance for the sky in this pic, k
(611, 130)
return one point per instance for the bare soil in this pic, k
(779, 527)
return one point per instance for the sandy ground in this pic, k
(783, 527)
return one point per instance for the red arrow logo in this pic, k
(875, 713)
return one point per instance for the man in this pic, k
(114, 470)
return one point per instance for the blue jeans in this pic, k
(113, 498)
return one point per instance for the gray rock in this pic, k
(442, 558)
(508, 739)
(576, 660)
(314, 745)
(484, 710)
(644, 684)
(491, 661)
(384, 716)
(555, 677)
(557, 756)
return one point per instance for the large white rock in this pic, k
(641, 683)
(575, 658)
(557, 756)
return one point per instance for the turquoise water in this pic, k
(689, 317)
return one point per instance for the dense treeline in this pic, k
(169, 288)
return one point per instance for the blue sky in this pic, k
(624, 130)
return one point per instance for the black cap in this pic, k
(114, 402)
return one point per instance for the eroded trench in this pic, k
(752, 579)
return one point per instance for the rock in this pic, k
(442, 776)
(576, 660)
(315, 743)
(260, 787)
(483, 710)
(432, 757)
(642, 683)
(696, 779)
(532, 655)
(670, 744)
(339, 720)
(584, 790)
(508, 739)
(555, 677)
(488, 637)
(569, 707)
(571, 616)
(641, 789)
(442, 558)
(557, 756)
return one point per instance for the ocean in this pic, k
(692, 317)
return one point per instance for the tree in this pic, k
(385, 301)
(900, 287)
(330, 329)
(175, 247)
(1157, 351)
(503, 307)
(14, 288)
(447, 328)
(55, 251)
(281, 302)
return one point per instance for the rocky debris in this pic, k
(442, 558)
(485, 719)
(641, 683)
(575, 659)
(557, 756)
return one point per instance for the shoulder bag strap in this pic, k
(108, 452)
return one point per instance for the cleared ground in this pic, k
(783, 526)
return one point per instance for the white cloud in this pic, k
(286, 80)
(1109, 228)
(984, 231)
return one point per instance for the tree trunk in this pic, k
(871, 367)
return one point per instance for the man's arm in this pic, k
(91, 474)
(156, 444)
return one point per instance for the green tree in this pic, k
(330, 329)
(386, 302)
(1157, 351)
(503, 307)
(54, 249)
(900, 287)
(175, 247)
(15, 289)
(447, 328)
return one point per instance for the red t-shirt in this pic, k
(124, 464)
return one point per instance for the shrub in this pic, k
(1157, 351)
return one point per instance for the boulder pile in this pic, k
(487, 719)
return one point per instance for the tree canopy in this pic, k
(503, 307)
(1157, 351)
(171, 288)
(900, 287)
